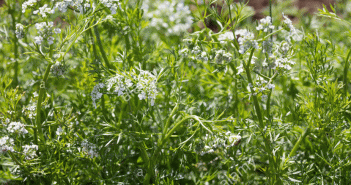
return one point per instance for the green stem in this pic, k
(297, 144)
(256, 104)
(270, 14)
(15, 78)
(346, 68)
(155, 155)
(268, 105)
(40, 100)
(102, 51)
(103, 107)
(169, 119)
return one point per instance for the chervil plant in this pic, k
(173, 92)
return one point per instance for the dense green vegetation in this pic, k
(173, 92)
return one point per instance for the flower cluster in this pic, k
(246, 40)
(44, 10)
(120, 83)
(265, 24)
(26, 4)
(45, 31)
(196, 52)
(96, 94)
(284, 64)
(173, 18)
(293, 32)
(16, 127)
(146, 86)
(261, 86)
(184, 52)
(220, 141)
(219, 56)
(127, 84)
(59, 131)
(89, 149)
(30, 110)
(113, 5)
(6, 144)
(80, 5)
(222, 55)
(30, 151)
(58, 69)
(225, 37)
(280, 58)
(19, 31)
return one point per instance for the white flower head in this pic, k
(30, 151)
(59, 131)
(225, 37)
(38, 40)
(246, 40)
(44, 11)
(26, 4)
(19, 31)
(16, 127)
(265, 24)
(96, 94)
(6, 144)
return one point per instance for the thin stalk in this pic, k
(268, 105)
(169, 119)
(102, 51)
(256, 104)
(155, 155)
(15, 77)
(103, 107)
(270, 14)
(40, 100)
(346, 69)
(297, 144)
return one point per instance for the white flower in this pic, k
(227, 36)
(44, 10)
(19, 31)
(173, 18)
(246, 40)
(89, 149)
(285, 47)
(221, 55)
(27, 4)
(113, 5)
(6, 144)
(184, 52)
(51, 40)
(293, 32)
(30, 151)
(16, 127)
(57, 30)
(234, 139)
(271, 86)
(142, 96)
(38, 40)
(265, 24)
(240, 69)
(95, 94)
(59, 131)
(122, 85)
